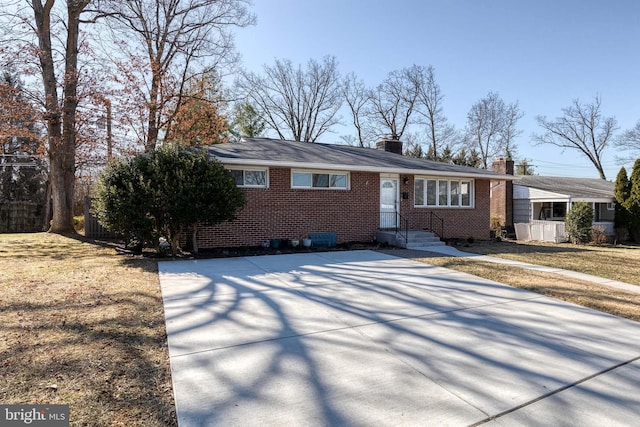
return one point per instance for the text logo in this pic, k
(34, 415)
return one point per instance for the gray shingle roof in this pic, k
(282, 153)
(573, 187)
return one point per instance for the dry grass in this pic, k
(613, 262)
(85, 327)
(603, 298)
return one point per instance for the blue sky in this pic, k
(541, 53)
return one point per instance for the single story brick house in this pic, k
(297, 188)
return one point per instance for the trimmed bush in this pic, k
(579, 222)
(162, 193)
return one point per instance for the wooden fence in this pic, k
(21, 217)
(92, 228)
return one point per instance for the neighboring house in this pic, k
(297, 188)
(542, 200)
(550, 198)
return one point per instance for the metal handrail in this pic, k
(439, 221)
(402, 227)
(401, 224)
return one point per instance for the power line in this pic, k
(606, 164)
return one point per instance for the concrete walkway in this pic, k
(363, 338)
(451, 251)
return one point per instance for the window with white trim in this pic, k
(441, 192)
(250, 177)
(320, 179)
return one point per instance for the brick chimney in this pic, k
(390, 145)
(502, 192)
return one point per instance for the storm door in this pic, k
(389, 202)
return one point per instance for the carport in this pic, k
(363, 338)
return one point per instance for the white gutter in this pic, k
(267, 163)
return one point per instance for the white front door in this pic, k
(389, 202)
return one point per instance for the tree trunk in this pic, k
(152, 133)
(42, 14)
(433, 136)
(61, 127)
(194, 240)
(174, 239)
(46, 221)
(62, 183)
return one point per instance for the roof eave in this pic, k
(593, 199)
(325, 166)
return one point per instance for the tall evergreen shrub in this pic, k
(579, 221)
(632, 203)
(621, 191)
(162, 193)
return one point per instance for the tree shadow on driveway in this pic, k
(362, 338)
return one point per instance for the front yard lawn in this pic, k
(618, 262)
(614, 262)
(83, 326)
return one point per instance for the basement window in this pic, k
(250, 177)
(320, 179)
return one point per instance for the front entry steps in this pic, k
(416, 239)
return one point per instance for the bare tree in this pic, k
(412, 146)
(582, 127)
(630, 141)
(357, 97)
(43, 40)
(351, 140)
(491, 127)
(61, 122)
(393, 101)
(177, 40)
(440, 133)
(298, 104)
(510, 128)
(388, 109)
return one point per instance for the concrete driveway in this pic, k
(367, 339)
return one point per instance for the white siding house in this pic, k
(539, 200)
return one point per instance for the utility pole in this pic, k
(107, 104)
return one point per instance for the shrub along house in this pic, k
(355, 194)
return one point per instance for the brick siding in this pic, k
(280, 212)
(458, 222)
(501, 193)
